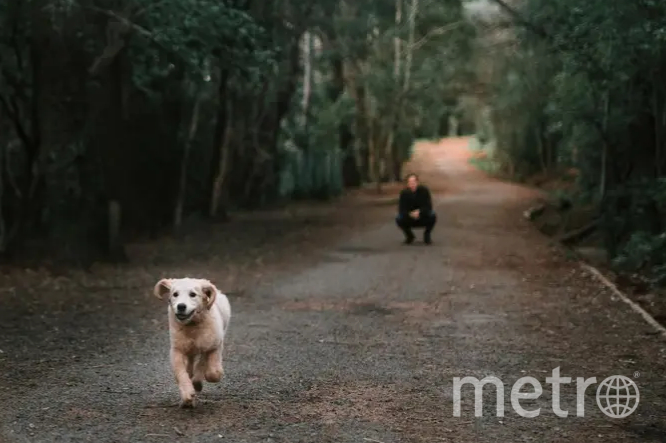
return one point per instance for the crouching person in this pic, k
(415, 210)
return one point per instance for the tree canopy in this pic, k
(124, 117)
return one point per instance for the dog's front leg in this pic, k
(180, 364)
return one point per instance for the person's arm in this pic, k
(402, 204)
(426, 204)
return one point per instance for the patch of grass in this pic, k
(475, 144)
(481, 159)
(485, 164)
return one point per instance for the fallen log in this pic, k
(579, 234)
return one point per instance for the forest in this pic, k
(575, 91)
(126, 118)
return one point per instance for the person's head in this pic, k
(412, 181)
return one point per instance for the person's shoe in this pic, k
(426, 238)
(409, 240)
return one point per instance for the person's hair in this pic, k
(410, 175)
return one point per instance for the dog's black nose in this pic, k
(181, 307)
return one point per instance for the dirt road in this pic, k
(338, 334)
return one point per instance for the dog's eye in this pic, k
(193, 294)
(175, 294)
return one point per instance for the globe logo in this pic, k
(618, 396)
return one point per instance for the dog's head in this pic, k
(189, 298)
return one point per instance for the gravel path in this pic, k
(356, 341)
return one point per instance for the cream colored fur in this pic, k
(199, 316)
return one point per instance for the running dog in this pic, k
(199, 316)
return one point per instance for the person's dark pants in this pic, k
(406, 223)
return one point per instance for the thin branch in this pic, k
(129, 25)
(115, 42)
(14, 82)
(435, 32)
(10, 176)
(125, 21)
(518, 18)
(140, 12)
(16, 46)
(568, 45)
(11, 109)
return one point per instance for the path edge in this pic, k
(599, 276)
(632, 304)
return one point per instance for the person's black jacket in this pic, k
(419, 199)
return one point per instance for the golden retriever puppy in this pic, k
(199, 316)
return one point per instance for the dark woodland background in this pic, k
(125, 118)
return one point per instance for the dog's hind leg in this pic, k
(214, 371)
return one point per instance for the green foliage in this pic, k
(325, 119)
(518, 114)
(476, 143)
(311, 159)
(313, 173)
(578, 85)
(645, 253)
(484, 127)
(377, 104)
(193, 33)
(99, 102)
(485, 164)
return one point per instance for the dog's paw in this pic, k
(187, 397)
(187, 403)
(214, 375)
(198, 386)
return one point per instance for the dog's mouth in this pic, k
(184, 316)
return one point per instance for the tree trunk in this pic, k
(115, 243)
(373, 156)
(31, 138)
(604, 153)
(3, 226)
(397, 165)
(182, 187)
(361, 132)
(410, 51)
(389, 150)
(218, 137)
(396, 40)
(350, 174)
(307, 79)
(113, 157)
(540, 148)
(657, 129)
(262, 177)
(219, 195)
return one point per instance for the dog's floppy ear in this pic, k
(210, 292)
(162, 288)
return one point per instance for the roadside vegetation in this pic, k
(574, 100)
